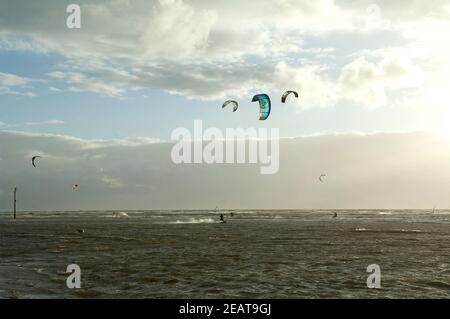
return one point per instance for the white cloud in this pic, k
(112, 182)
(176, 30)
(13, 84)
(79, 82)
(54, 122)
(9, 80)
(198, 49)
(207, 50)
(49, 122)
(368, 83)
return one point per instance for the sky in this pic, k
(136, 70)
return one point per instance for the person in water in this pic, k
(221, 218)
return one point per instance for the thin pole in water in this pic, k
(15, 201)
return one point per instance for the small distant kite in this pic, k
(33, 160)
(321, 177)
(264, 105)
(285, 95)
(235, 104)
(75, 187)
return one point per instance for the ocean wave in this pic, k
(393, 231)
(118, 215)
(194, 221)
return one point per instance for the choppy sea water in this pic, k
(256, 254)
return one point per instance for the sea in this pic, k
(255, 254)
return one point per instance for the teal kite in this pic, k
(264, 105)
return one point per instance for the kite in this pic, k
(33, 159)
(235, 104)
(285, 95)
(264, 105)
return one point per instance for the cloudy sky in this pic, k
(96, 101)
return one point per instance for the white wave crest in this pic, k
(118, 215)
(195, 221)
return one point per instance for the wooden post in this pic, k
(15, 201)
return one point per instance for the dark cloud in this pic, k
(373, 171)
